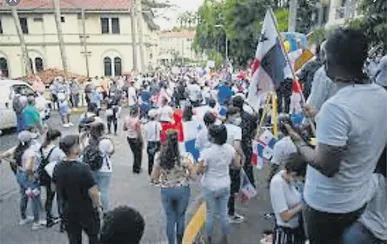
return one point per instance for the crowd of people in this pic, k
(333, 191)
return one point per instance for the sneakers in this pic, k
(71, 124)
(37, 226)
(66, 125)
(236, 219)
(52, 221)
(26, 220)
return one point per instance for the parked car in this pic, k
(8, 89)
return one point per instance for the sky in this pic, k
(173, 13)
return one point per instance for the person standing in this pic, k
(340, 167)
(19, 102)
(112, 110)
(234, 138)
(105, 147)
(31, 115)
(95, 98)
(214, 163)
(152, 131)
(202, 141)
(173, 170)
(165, 112)
(50, 153)
(132, 95)
(74, 93)
(194, 93)
(82, 205)
(132, 126)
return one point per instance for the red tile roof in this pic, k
(178, 34)
(71, 4)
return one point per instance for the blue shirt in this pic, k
(224, 94)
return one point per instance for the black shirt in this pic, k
(73, 180)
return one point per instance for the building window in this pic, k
(3, 67)
(39, 64)
(31, 64)
(107, 62)
(62, 19)
(115, 26)
(24, 25)
(117, 66)
(104, 25)
(38, 19)
(1, 27)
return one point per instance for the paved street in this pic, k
(126, 189)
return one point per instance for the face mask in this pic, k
(112, 94)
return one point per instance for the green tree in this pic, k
(306, 15)
(373, 22)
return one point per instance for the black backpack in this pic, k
(93, 156)
(44, 178)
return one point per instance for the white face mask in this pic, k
(238, 121)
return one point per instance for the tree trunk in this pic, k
(293, 5)
(140, 34)
(58, 23)
(85, 42)
(23, 45)
(133, 27)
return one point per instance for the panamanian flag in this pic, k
(269, 63)
(263, 149)
(247, 190)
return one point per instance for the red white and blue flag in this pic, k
(247, 190)
(269, 63)
(263, 149)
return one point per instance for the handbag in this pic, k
(109, 112)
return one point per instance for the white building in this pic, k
(108, 37)
(174, 45)
(337, 12)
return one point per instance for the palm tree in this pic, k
(58, 23)
(23, 45)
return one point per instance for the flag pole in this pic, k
(291, 67)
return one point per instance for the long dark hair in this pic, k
(169, 152)
(96, 132)
(188, 113)
(51, 135)
(19, 151)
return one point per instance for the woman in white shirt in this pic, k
(165, 112)
(152, 131)
(287, 202)
(214, 163)
(103, 175)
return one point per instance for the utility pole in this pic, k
(23, 45)
(140, 33)
(293, 5)
(133, 26)
(85, 42)
(56, 4)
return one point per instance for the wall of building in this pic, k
(42, 41)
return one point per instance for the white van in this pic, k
(8, 89)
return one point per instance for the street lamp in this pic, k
(222, 27)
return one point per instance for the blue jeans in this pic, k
(359, 234)
(19, 122)
(175, 202)
(216, 201)
(103, 180)
(21, 178)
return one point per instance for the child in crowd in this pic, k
(64, 110)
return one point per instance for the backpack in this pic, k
(44, 178)
(93, 156)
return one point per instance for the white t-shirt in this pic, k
(375, 215)
(165, 113)
(282, 149)
(132, 97)
(202, 141)
(283, 197)
(217, 160)
(234, 133)
(107, 148)
(349, 118)
(194, 92)
(152, 131)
